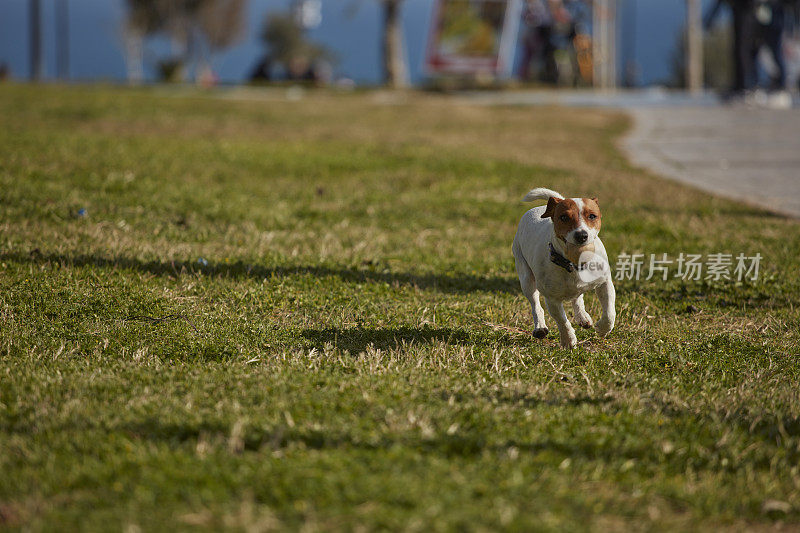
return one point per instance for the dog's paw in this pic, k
(584, 320)
(541, 333)
(604, 326)
(569, 342)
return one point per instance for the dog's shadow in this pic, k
(355, 340)
(450, 282)
(358, 339)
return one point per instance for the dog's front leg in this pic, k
(567, 334)
(579, 312)
(607, 296)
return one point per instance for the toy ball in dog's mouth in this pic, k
(573, 252)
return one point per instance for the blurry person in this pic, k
(538, 41)
(206, 77)
(578, 40)
(768, 24)
(757, 23)
(791, 46)
(743, 62)
(262, 72)
(771, 20)
(631, 74)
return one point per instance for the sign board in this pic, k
(473, 37)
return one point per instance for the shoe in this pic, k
(779, 100)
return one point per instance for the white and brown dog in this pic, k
(558, 253)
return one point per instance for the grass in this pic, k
(236, 310)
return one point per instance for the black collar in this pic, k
(561, 261)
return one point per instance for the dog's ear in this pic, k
(552, 202)
(595, 200)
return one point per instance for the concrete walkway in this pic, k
(743, 153)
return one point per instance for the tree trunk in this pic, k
(35, 15)
(134, 56)
(62, 40)
(394, 65)
(694, 47)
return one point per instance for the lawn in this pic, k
(244, 310)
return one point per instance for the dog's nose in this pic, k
(581, 236)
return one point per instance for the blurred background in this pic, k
(565, 43)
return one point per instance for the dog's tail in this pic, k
(540, 193)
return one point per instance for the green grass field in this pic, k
(257, 313)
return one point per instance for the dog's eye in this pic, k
(592, 216)
(564, 218)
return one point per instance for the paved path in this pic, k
(742, 153)
(749, 154)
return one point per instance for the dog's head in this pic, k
(575, 220)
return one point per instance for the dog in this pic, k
(557, 253)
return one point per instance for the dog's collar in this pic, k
(561, 261)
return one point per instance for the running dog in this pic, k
(557, 253)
